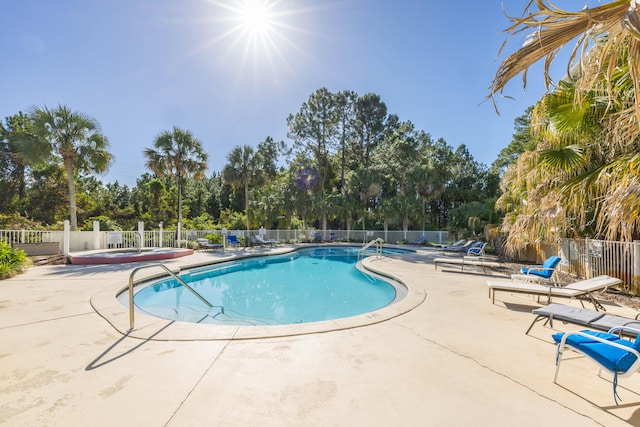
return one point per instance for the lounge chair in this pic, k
(265, 242)
(477, 249)
(232, 240)
(467, 261)
(616, 355)
(333, 237)
(206, 245)
(421, 241)
(253, 241)
(582, 289)
(537, 272)
(459, 249)
(317, 237)
(456, 244)
(582, 317)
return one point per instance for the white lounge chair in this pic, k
(616, 355)
(536, 273)
(582, 290)
(262, 241)
(467, 261)
(582, 317)
(206, 245)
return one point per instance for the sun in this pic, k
(265, 38)
(255, 17)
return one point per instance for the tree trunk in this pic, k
(179, 231)
(246, 203)
(73, 218)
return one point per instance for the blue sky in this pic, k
(143, 66)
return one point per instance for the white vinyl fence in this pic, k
(102, 240)
(589, 258)
(585, 257)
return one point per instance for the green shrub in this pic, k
(214, 238)
(12, 261)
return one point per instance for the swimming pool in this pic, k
(308, 285)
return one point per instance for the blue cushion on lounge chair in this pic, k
(616, 360)
(613, 358)
(547, 268)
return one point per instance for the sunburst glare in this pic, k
(256, 35)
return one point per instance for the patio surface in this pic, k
(455, 359)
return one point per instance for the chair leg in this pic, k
(537, 319)
(558, 361)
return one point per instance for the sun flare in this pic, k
(263, 37)
(255, 17)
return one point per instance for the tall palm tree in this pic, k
(179, 154)
(579, 176)
(72, 136)
(242, 170)
(613, 29)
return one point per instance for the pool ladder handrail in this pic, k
(172, 274)
(378, 242)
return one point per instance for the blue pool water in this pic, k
(308, 285)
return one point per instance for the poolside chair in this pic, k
(232, 240)
(253, 241)
(265, 242)
(317, 237)
(537, 272)
(333, 237)
(477, 249)
(582, 289)
(467, 261)
(206, 245)
(616, 355)
(582, 317)
(462, 249)
(421, 241)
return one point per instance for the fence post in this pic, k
(635, 274)
(66, 238)
(22, 232)
(587, 258)
(96, 235)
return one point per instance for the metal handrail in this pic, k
(378, 242)
(172, 274)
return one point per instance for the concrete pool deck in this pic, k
(453, 360)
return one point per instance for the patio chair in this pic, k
(582, 289)
(467, 261)
(253, 241)
(477, 249)
(232, 240)
(206, 245)
(537, 272)
(459, 249)
(616, 355)
(265, 242)
(582, 317)
(317, 237)
(421, 241)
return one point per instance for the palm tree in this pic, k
(613, 28)
(72, 136)
(177, 153)
(582, 178)
(242, 171)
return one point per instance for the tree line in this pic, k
(349, 164)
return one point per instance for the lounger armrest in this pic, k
(601, 340)
(624, 328)
(529, 269)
